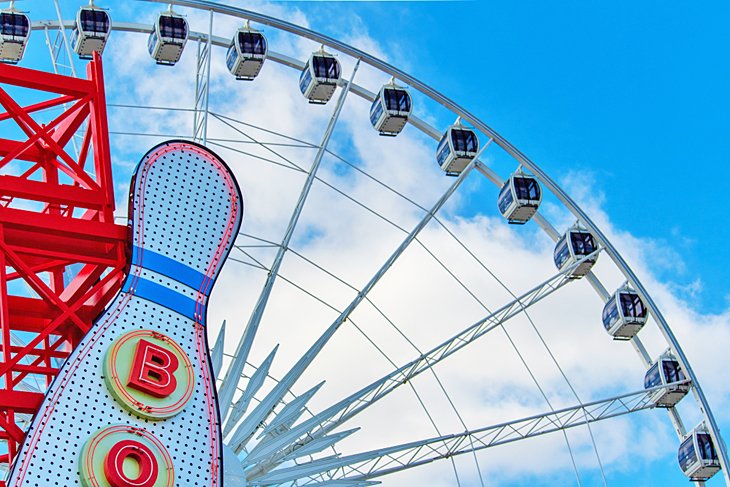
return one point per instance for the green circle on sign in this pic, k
(120, 361)
(96, 449)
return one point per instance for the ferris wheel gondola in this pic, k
(519, 198)
(390, 109)
(247, 53)
(697, 455)
(14, 34)
(665, 371)
(319, 77)
(93, 26)
(458, 147)
(167, 40)
(576, 245)
(624, 314)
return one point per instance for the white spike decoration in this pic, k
(253, 386)
(216, 354)
(343, 483)
(263, 450)
(289, 414)
(320, 444)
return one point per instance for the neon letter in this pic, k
(152, 370)
(141, 454)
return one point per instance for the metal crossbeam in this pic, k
(202, 86)
(375, 463)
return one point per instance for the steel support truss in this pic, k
(63, 258)
(375, 463)
(321, 424)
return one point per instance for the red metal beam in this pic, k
(57, 225)
(21, 401)
(44, 105)
(45, 82)
(50, 193)
(73, 224)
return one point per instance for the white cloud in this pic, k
(486, 382)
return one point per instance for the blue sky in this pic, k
(633, 93)
(630, 97)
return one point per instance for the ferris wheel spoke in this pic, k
(225, 122)
(375, 463)
(344, 410)
(289, 414)
(233, 374)
(276, 428)
(247, 429)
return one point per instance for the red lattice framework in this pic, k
(62, 258)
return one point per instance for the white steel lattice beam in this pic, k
(202, 86)
(345, 409)
(375, 463)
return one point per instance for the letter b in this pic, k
(152, 370)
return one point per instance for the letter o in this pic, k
(114, 465)
(103, 457)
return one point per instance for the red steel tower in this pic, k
(62, 257)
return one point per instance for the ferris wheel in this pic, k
(388, 313)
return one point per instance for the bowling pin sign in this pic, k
(135, 404)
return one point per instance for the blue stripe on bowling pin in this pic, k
(166, 295)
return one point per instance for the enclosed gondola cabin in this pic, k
(319, 77)
(664, 371)
(14, 34)
(575, 246)
(458, 147)
(624, 314)
(390, 110)
(246, 54)
(519, 198)
(93, 26)
(167, 40)
(697, 455)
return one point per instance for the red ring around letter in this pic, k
(114, 462)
